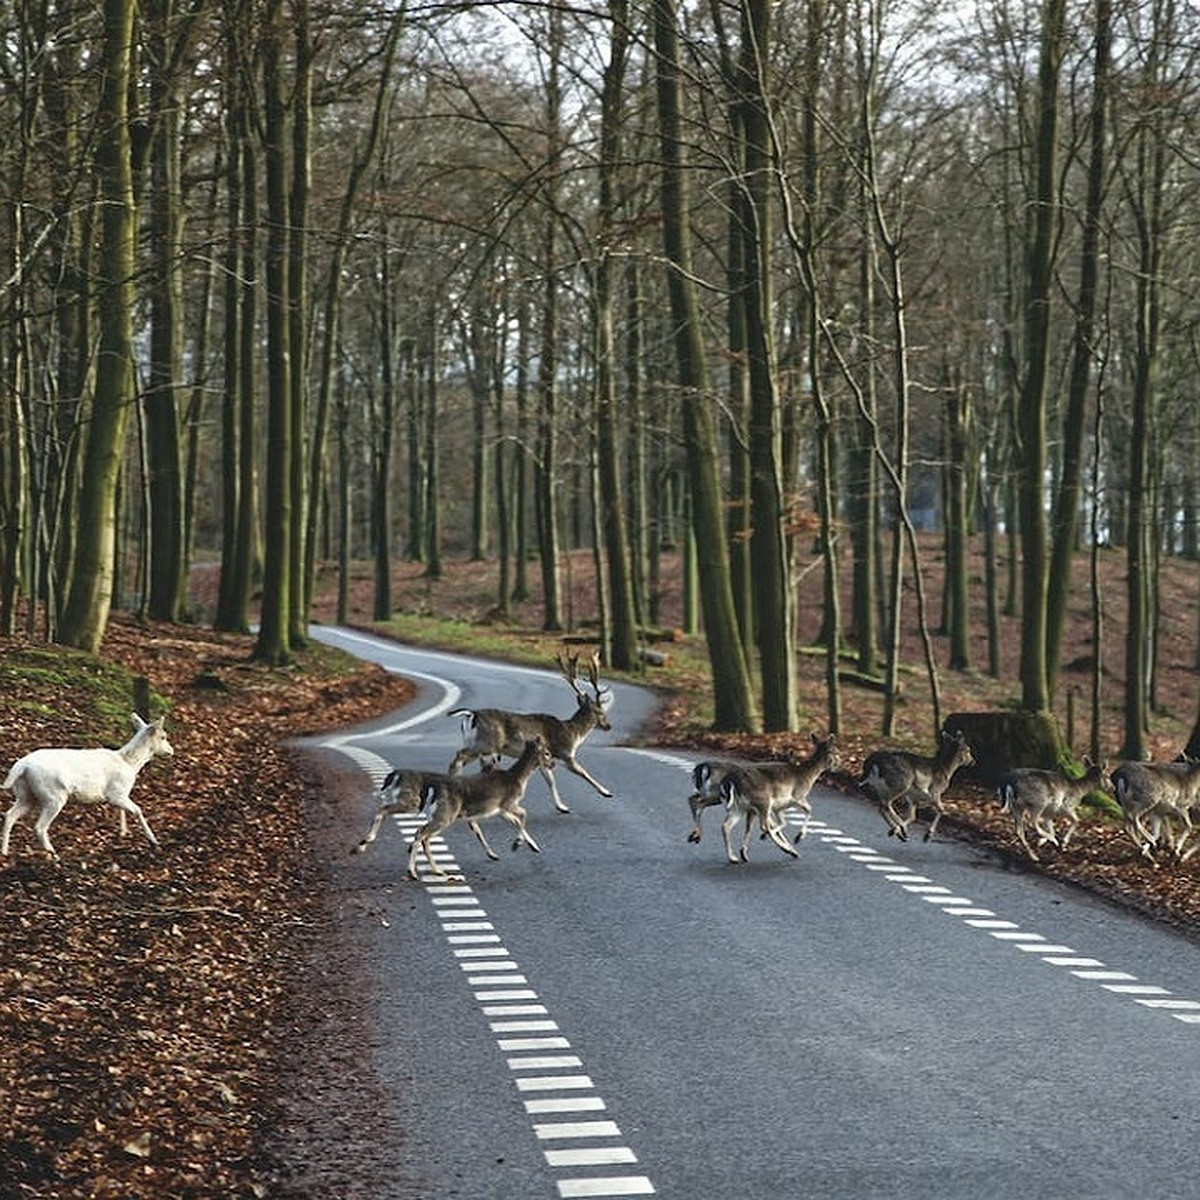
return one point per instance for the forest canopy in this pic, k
(285, 283)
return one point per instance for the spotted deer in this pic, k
(707, 777)
(401, 793)
(892, 777)
(766, 791)
(471, 798)
(1158, 801)
(499, 732)
(1036, 798)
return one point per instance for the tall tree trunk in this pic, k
(433, 473)
(546, 474)
(733, 703)
(1031, 410)
(611, 513)
(381, 442)
(86, 613)
(958, 420)
(768, 547)
(165, 480)
(639, 517)
(1067, 502)
(520, 589)
(331, 321)
(1147, 198)
(297, 316)
(241, 318)
(273, 644)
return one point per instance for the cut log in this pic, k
(1006, 739)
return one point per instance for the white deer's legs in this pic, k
(126, 805)
(50, 810)
(20, 806)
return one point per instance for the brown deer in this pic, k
(899, 776)
(497, 731)
(402, 792)
(1157, 800)
(470, 798)
(1036, 798)
(768, 790)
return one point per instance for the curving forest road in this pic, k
(626, 1014)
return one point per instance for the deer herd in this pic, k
(1159, 801)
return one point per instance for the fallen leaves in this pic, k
(145, 996)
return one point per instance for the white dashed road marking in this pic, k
(512, 1008)
(1090, 970)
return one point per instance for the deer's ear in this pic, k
(138, 723)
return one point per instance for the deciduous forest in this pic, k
(295, 283)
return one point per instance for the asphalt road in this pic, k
(626, 1014)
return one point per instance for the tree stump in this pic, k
(1005, 739)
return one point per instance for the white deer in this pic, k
(499, 731)
(46, 779)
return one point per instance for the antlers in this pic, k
(569, 667)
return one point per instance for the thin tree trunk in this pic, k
(1065, 523)
(275, 623)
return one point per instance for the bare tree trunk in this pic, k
(86, 613)
(241, 318)
(768, 547)
(611, 514)
(298, 320)
(165, 479)
(1031, 410)
(331, 321)
(734, 709)
(275, 621)
(1065, 523)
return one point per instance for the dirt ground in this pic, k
(186, 1023)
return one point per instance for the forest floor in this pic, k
(182, 1023)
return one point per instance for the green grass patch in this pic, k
(94, 696)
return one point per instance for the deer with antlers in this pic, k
(499, 732)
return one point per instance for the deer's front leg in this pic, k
(698, 804)
(775, 832)
(516, 817)
(477, 830)
(548, 776)
(372, 833)
(576, 768)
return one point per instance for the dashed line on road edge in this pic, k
(552, 1082)
(974, 916)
